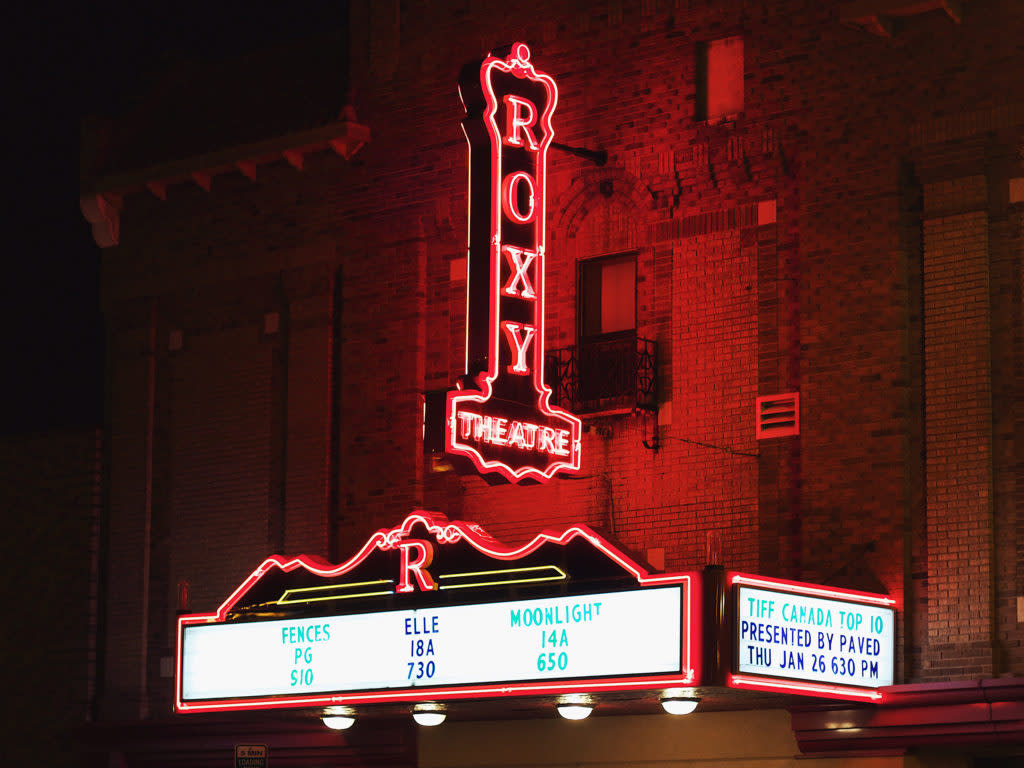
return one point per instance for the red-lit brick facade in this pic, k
(278, 310)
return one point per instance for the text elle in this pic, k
(421, 625)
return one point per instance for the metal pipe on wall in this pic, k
(147, 532)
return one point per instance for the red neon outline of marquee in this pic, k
(807, 688)
(518, 64)
(450, 532)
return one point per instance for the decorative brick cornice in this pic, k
(102, 197)
(877, 16)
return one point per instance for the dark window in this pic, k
(606, 349)
(719, 79)
(607, 296)
(609, 369)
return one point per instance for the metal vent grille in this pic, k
(778, 415)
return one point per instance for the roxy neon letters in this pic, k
(516, 123)
(519, 337)
(520, 260)
(500, 418)
(510, 194)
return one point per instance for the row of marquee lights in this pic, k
(574, 696)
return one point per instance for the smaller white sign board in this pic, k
(814, 639)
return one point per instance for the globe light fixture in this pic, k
(576, 707)
(679, 706)
(575, 711)
(339, 718)
(429, 714)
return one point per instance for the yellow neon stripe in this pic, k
(346, 585)
(293, 595)
(560, 575)
(283, 601)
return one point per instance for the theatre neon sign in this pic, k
(437, 610)
(500, 418)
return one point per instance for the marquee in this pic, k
(438, 610)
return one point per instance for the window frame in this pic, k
(702, 80)
(581, 266)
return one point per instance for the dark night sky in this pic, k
(88, 58)
(51, 338)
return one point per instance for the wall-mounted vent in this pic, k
(778, 415)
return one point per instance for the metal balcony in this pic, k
(613, 374)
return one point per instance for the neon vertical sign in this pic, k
(506, 424)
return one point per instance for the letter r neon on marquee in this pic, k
(416, 566)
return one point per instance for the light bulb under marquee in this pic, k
(679, 706)
(338, 722)
(338, 718)
(428, 715)
(575, 711)
(575, 706)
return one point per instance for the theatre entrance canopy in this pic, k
(438, 610)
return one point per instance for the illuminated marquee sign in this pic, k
(619, 633)
(501, 420)
(812, 640)
(437, 610)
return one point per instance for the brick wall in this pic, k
(785, 250)
(959, 437)
(127, 387)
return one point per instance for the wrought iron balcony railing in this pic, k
(614, 373)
